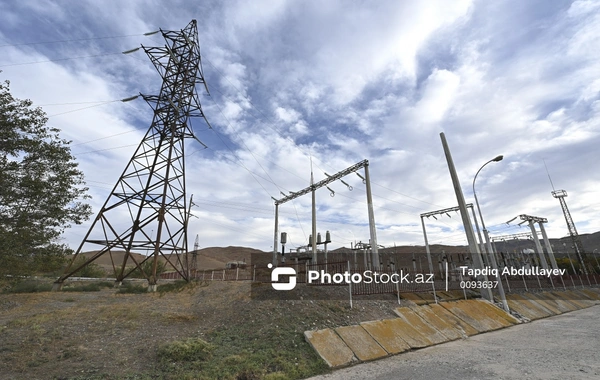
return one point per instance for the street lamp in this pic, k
(492, 257)
(485, 232)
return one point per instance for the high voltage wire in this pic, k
(59, 59)
(220, 110)
(77, 39)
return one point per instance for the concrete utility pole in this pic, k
(374, 251)
(473, 249)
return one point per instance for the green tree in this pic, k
(41, 189)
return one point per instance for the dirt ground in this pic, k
(106, 335)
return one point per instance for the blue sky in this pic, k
(338, 81)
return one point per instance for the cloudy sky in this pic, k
(338, 82)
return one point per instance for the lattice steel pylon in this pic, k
(561, 194)
(194, 265)
(150, 195)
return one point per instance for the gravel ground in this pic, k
(561, 347)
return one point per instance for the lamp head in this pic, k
(498, 158)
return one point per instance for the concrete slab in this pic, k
(420, 325)
(330, 347)
(475, 315)
(414, 298)
(560, 299)
(538, 309)
(523, 310)
(460, 313)
(572, 298)
(453, 320)
(361, 343)
(592, 294)
(449, 296)
(440, 324)
(547, 303)
(585, 297)
(562, 306)
(428, 297)
(594, 290)
(387, 334)
(408, 333)
(497, 313)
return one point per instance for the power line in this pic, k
(60, 59)
(77, 39)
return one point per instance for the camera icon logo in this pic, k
(282, 271)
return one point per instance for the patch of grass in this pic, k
(131, 288)
(176, 286)
(273, 352)
(28, 286)
(89, 287)
(189, 350)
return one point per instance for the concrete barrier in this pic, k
(420, 325)
(330, 347)
(361, 343)
(425, 325)
(445, 327)
(390, 335)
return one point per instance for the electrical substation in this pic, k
(151, 195)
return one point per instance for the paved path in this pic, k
(566, 346)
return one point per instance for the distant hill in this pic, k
(208, 258)
(217, 257)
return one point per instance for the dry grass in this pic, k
(104, 335)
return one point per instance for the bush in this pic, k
(90, 287)
(147, 268)
(191, 349)
(29, 286)
(92, 270)
(176, 286)
(130, 288)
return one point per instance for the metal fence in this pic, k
(391, 281)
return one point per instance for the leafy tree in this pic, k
(41, 189)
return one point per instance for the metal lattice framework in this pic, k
(150, 195)
(561, 195)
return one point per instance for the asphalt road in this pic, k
(566, 346)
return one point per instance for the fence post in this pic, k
(237, 273)
(223, 274)
(434, 295)
(212, 275)
(397, 288)
(349, 285)
(463, 287)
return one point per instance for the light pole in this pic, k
(492, 257)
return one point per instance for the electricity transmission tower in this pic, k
(561, 195)
(150, 195)
(194, 265)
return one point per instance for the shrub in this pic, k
(191, 349)
(130, 288)
(28, 286)
(90, 287)
(92, 270)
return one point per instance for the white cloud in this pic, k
(339, 82)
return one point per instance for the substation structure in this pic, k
(312, 189)
(476, 256)
(578, 246)
(150, 195)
